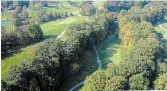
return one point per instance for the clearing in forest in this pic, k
(110, 50)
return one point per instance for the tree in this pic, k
(16, 12)
(55, 60)
(35, 32)
(17, 22)
(66, 14)
(95, 82)
(44, 3)
(87, 10)
(161, 82)
(118, 5)
(163, 68)
(138, 82)
(71, 14)
(115, 83)
(24, 15)
(24, 8)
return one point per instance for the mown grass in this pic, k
(6, 16)
(110, 50)
(159, 31)
(164, 25)
(56, 27)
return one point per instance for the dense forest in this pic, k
(57, 59)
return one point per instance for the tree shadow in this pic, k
(164, 41)
(11, 52)
(159, 35)
(107, 49)
(50, 36)
(160, 21)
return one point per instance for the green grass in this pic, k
(110, 51)
(6, 16)
(159, 31)
(56, 27)
(164, 25)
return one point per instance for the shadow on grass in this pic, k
(159, 35)
(11, 52)
(160, 21)
(164, 41)
(50, 36)
(107, 49)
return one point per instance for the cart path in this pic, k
(99, 67)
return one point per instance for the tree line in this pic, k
(139, 69)
(43, 16)
(22, 35)
(56, 60)
(27, 30)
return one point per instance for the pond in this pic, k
(4, 23)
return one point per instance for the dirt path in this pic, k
(164, 30)
(159, 60)
(76, 86)
(97, 58)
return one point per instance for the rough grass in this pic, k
(56, 27)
